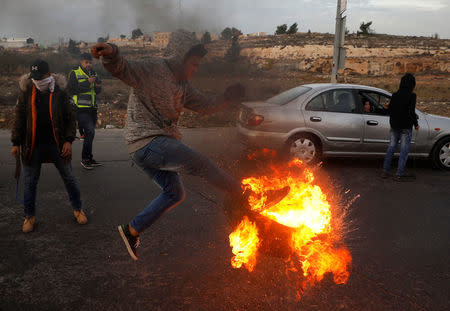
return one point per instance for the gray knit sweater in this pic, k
(157, 99)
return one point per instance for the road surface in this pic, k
(399, 241)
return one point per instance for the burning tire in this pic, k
(301, 229)
(274, 237)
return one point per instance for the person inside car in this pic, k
(369, 108)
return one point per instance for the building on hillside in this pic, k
(161, 39)
(119, 41)
(256, 34)
(16, 43)
(215, 37)
(140, 42)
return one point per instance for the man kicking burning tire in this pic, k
(160, 90)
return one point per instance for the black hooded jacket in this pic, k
(402, 109)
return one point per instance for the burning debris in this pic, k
(299, 229)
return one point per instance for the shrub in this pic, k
(281, 30)
(293, 29)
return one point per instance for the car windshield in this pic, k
(288, 96)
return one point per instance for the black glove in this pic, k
(235, 92)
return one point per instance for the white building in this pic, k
(13, 43)
(257, 34)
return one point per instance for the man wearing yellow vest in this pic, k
(84, 85)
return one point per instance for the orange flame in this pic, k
(307, 212)
(245, 242)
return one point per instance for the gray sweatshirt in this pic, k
(157, 99)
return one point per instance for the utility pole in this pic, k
(339, 37)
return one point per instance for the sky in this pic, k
(48, 20)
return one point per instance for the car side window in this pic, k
(373, 103)
(341, 101)
(383, 101)
(317, 103)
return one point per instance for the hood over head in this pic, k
(180, 43)
(407, 83)
(25, 81)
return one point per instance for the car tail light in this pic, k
(255, 120)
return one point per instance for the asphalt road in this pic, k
(399, 240)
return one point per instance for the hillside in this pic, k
(266, 66)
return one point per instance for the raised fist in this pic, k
(102, 49)
(235, 92)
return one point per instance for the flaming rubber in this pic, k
(288, 197)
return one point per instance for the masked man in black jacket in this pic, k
(402, 112)
(43, 131)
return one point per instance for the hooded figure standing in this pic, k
(160, 90)
(44, 128)
(402, 118)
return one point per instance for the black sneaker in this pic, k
(405, 177)
(95, 163)
(87, 164)
(131, 242)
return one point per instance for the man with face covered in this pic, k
(84, 86)
(44, 129)
(160, 90)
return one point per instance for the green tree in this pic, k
(234, 51)
(122, 37)
(136, 33)
(293, 29)
(101, 40)
(226, 34)
(206, 38)
(281, 30)
(72, 48)
(365, 29)
(236, 32)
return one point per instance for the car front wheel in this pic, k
(305, 148)
(441, 154)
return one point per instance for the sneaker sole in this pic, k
(281, 195)
(125, 240)
(86, 167)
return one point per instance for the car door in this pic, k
(377, 126)
(419, 140)
(333, 114)
(376, 122)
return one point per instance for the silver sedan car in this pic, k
(331, 120)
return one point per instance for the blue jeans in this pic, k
(162, 159)
(404, 136)
(86, 124)
(44, 153)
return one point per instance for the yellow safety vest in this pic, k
(86, 99)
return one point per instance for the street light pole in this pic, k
(339, 50)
